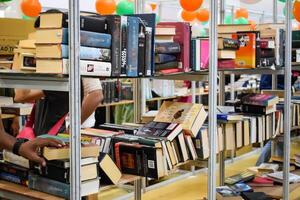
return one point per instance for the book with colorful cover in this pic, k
(226, 64)
(261, 182)
(183, 37)
(246, 54)
(260, 99)
(204, 53)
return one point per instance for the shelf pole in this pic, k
(213, 73)
(275, 20)
(74, 99)
(287, 100)
(193, 88)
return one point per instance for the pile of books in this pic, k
(227, 48)
(172, 47)
(52, 49)
(262, 178)
(53, 179)
(116, 91)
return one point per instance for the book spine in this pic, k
(90, 39)
(49, 186)
(11, 111)
(13, 178)
(267, 53)
(89, 53)
(164, 58)
(141, 50)
(15, 159)
(90, 68)
(56, 173)
(254, 109)
(132, 46)
(222, 117)
(167, 48)
(257, 51)
(117, 155)
(281, 54)
(193, 55)
(115, 31)
(169, 65)
(123, 46)
(110, 94)
(23, 174)
(266, 44)
(149, 68)
(267, 62)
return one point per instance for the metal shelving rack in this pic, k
(72, 84)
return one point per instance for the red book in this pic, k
(117, 155)
(183, 37)
(169, 71)
(261, 182)
(226, 64)
(267, 44)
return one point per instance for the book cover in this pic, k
(190, 116)
(142, 49)
(226, 64)
(204, 53)
(267, 62)
(246, 55)
(60, 20)
(228, 44)
(183, 37)
(261, 182)
(242, 177)
(132, 46)
(201, 144)
(49, 186)
(167, 48)
(161, 130)
(108, 171)
(164, 58)
(89, 53)
(267, 44)
(241, 187)
(114, 28)
(124, 51)
(260, 99)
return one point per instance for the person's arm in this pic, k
(29, 148)
(26, 96)
(90, 103)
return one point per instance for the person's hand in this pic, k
(30, 149)
(15, 126)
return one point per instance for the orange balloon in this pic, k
(188, 16)
(203, 15)
(105, 7)
(153, 6)
(298, 26)
(191, 5)
(242, 12)
(297, 10)
(31, 8)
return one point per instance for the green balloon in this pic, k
(28, 18)
(203, 32)
(243, 20)
(204, 23)
(284, 13)
(236, 21)
(2, 1)
(125, 7)
(228, 19)
(283, 1)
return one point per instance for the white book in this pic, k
(278, 177)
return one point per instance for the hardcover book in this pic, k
(164, 58)
(133, 24)
(161, 129)
(15, 170)
(167, 48)
(108, 171)
(228, 44)
(242, 177)
(168, 65)
(15, 159)
(190, 116)
(260, 99)
(13, 178)
(246, 55)
(17, 109)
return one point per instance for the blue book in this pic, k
(164, 58)
(89, 53)
(132, 46)
(49, 186)
(90, 39)
(13, 178)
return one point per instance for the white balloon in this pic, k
(250, 1)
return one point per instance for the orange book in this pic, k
(246, 55)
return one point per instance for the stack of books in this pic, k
(52, 49)
(24, 55)
(54, 179)
(172, 47)
(116, 91)
(266, 56)
(227, 48)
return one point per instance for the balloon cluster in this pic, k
(31, 8)
(191, 12)
(107, 7)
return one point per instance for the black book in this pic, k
(95, 23)
(111, 92)
(167, 48)
(267, 53)
(116, 91)
(142, 50)
(296, 44)
(294, 56)
(281, 51)
(15, 170)
(139, 160)
(114, 28)
(255, 196)
(124, 34)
